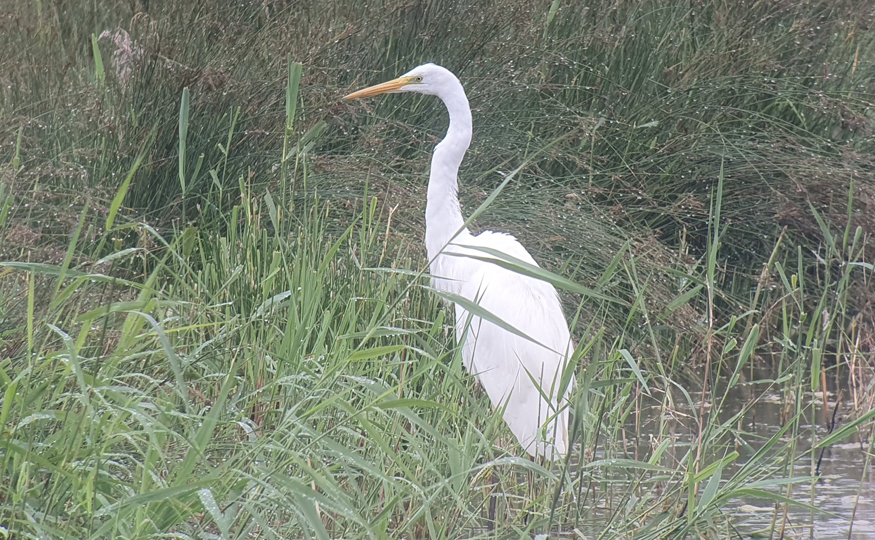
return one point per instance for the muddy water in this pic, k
(843, 494)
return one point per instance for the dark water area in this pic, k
(843, 494)
(839, 503)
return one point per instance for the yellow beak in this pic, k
(384, 88)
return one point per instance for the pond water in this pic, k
(843, 493)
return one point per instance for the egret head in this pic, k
(429, 79)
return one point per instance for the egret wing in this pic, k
(519, 374)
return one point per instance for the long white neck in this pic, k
(443, 216)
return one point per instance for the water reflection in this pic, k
(841, 502)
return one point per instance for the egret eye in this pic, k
(418, 78)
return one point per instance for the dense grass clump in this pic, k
(214, 318)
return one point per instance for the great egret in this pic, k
(521, 376)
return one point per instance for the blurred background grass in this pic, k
(657, 97)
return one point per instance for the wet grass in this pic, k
(213, 318)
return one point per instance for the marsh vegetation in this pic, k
(215, 320)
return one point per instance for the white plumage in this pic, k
(520, 375)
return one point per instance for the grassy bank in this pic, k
(213, 318)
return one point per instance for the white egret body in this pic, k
(517, 373)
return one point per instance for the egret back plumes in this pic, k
(522, 374)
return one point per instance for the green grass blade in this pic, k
(183, 137)
(99, 73)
